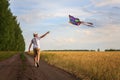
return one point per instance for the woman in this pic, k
(36, 47)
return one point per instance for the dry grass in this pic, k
(86, 65)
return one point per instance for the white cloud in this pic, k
(36, 15)
(66, 40)
(101, 3)
(35, 10)
(108, 33)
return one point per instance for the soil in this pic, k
(16, 69)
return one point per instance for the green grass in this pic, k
(22, 56)
(23, 59)
(6, 54)
(92, 65)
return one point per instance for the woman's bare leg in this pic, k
(38, 56)
(35, 60)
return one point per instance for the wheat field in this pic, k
(86, 65)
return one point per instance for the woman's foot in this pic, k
(37, 64)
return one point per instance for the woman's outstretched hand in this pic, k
(48, 32)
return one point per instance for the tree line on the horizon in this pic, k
(11, 38)
(98, 50)
(112, 49)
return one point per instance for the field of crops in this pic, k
(6, 54)
(86, 65)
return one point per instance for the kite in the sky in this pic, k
(76, 21)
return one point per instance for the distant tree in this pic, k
(11, 38)
(92, 50)
(112, 49)
(98, 50)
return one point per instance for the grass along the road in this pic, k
(95, 65)
(6, 54)
(22, 56)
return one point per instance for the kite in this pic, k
(76, 21)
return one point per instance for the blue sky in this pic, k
(52, 15)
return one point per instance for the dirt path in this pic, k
(14, 69)
(10, 69)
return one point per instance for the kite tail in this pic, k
(87, 23)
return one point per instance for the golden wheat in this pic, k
(86, 65)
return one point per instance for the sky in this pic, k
(52, 15)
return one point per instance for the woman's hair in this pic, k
(34, 34)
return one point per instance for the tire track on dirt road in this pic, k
(48, 72)
(15, 68)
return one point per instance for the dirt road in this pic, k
(15, 69)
